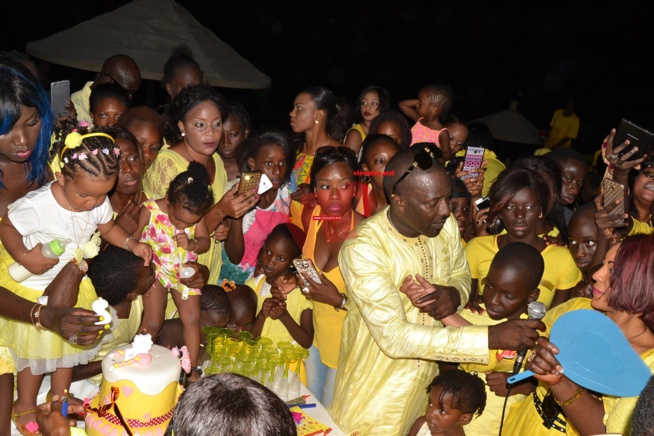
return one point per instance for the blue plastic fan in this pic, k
(596, 355)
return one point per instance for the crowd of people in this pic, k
(418, 270)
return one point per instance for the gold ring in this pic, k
(531, 356)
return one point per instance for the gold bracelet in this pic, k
(35, 317)
(126, 241)
(570, 400)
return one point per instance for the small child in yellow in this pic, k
(290, 320)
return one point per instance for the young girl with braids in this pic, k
(176, 229)
(73, 206)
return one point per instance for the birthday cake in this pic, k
(139, 390)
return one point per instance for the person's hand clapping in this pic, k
(273, 308)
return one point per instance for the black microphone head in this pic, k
(536, 310)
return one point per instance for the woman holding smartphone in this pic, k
(327, 225)
(197, 115)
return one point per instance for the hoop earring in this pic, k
(540, 216)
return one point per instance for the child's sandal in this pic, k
(29, 429)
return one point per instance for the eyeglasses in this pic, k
(130, 94)
(423, 159)
(649, 172)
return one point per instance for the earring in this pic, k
(316, 121)
(183, 134)
(540, 216)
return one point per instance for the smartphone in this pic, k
(472, 161)
(264, 184)
(636, 135)
(60, 97)
(482, 203)
(249, 182)
(613, 191)
(306, 268)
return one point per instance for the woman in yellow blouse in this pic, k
(624, 291)
(197, 114)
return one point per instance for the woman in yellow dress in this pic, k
(624, 291)
(197, 114)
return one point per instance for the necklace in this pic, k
(331, 238)
(76, 221)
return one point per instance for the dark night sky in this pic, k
(488, 52)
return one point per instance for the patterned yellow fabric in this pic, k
(561, 272)
(388, 347)
(6, 361)
(488, 424)
(155, 184)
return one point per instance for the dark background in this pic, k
(539, 53)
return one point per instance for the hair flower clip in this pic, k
(105, 151)
(228, 285)
(189, 180)
(73, 140)
(84, 124)
(95, 152)
(117, 151)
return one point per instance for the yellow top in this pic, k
(488, 424)
(640, 228)
(562, 126)
(560, 272)
(80, 100)
(388, 348)
(155, 184)
(327, 322)
(296, 303)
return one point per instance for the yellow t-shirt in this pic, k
(296, 303)
(562, 126)
(560, 272)
(488, 424)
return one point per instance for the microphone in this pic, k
(535, 310)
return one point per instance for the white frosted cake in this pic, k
(142, 387)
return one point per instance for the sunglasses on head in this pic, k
(423, 159)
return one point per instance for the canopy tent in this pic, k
(148, 30)
(509, 125)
